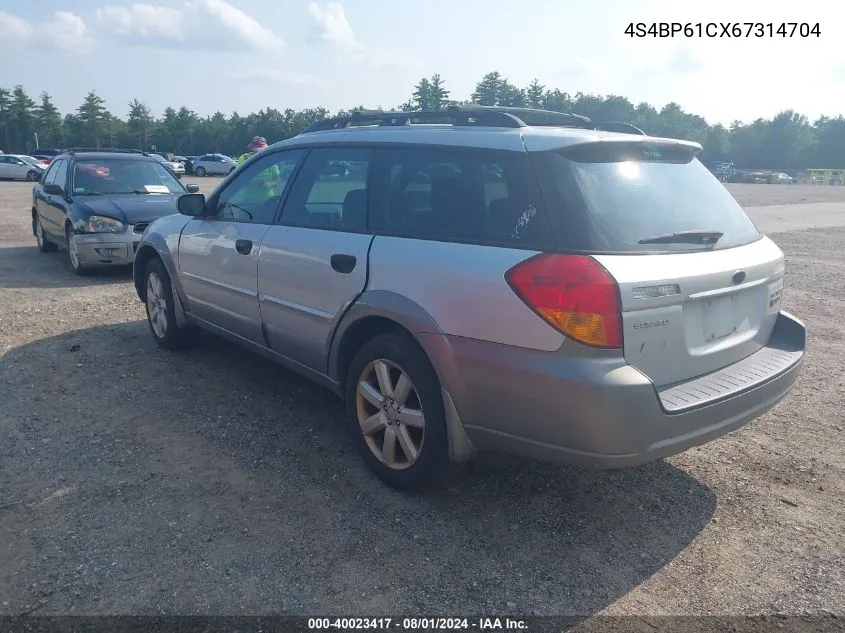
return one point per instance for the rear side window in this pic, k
(638, 197)
(475, 196)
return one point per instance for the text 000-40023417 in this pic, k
(723, 29)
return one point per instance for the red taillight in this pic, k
(574, 294)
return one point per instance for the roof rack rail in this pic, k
(471, 115)
(104, 150)
(454, 116)
(534, 116)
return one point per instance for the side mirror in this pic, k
(53, 190)
(192, 204)
(192, 188)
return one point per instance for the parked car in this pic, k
(214, 165)
(189, 164)
(596, 298)
(46, 155)
(21, 167)
(173, 165)
(98, 203)
(781, 178)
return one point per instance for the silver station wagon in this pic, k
(487, 279)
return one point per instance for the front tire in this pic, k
(76, 264)
(200, 171)
(161, 310)
(395, 413)
(44, 245)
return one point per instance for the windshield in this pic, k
(626, 197)
(111, 176)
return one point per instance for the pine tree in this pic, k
(140, 122)
(22, 120)
(48, 123)
(94, 118)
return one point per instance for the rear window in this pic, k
(638, 196)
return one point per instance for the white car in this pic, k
(21, 167)
(214, 165)
(176, 167)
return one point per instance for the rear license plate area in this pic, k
(721, 317)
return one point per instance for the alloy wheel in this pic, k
(73, 250)
(156, 305)
(390, 414)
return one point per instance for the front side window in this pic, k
(476, 196)
(60, 178)
(123, 176)
(254, 196)
(331, 191)
(50, 175)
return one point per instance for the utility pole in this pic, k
(37, 146)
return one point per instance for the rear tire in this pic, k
(32, 176)
(161, 310)
(200, 171)
(395, 413)
(44, 245)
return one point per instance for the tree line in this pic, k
(788, 141)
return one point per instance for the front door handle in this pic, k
(243, 246)
(344, 263)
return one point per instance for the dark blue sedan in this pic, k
(97, 203)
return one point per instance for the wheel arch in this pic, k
(153, 247)
(380, 312)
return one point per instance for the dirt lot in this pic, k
(137, 481)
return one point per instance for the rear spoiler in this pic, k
(624, 128)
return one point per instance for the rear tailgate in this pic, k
(699, 285)
(688, 314)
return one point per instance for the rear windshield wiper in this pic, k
(684, 237)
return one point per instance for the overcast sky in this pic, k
(247, 54)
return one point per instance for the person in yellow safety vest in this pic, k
(268, 181)
(256, 145)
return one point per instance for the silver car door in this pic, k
(218, 254)
(313, 263)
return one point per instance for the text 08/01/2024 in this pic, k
(723, 29)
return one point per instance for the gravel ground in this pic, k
(134, 481)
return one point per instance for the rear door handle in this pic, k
(243, 246)
(344, 263)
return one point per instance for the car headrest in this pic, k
(355, 209)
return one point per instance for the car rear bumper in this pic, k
(593, 410)
(107, 249)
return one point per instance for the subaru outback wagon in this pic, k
(487, 279)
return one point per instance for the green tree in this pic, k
(140, 123)
(535, 94)
(5, 119)
(48, 122)
(94, 119)
(22, 120)
(495, 90)
(787, 141)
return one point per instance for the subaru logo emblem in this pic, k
(739, 277)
